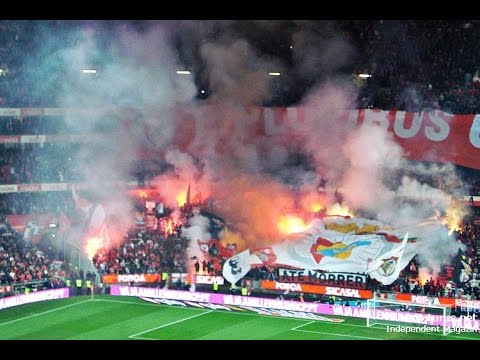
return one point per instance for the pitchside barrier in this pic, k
(33, 297)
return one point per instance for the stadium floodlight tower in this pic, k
(389, 313)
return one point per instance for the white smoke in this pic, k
(371, 152)
(196, 230)
(135, 68)
(136, 76)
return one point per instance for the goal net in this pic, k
(389, 313)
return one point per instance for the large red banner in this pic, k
(432, 136)
(428, 136)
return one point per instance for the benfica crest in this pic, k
(388, 266)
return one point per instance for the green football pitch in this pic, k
(126, 318)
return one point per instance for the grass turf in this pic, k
(127, 318)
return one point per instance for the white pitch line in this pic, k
(302, 325)
(270, 316)
(172, 323)
(458, 337)
(44, 312)
(141, 338)
(142, 304)
(334, 334)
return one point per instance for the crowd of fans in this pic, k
(66, 154)
(414, 66)
(23, 262)
(33, 125)
(417, 65)
(147, 250)
(31, 163)
(71, 124)
(144, 252)
(50, 202)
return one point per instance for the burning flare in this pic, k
(455, 213)
(341, 210)
(93, 245)
(181, 198)
(290, 224)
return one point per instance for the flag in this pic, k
(463, 270)
(63, 224)
(95, 223)
(160, 208)
(237, 267)
(216, 224)
(188, 196)
(354, 245)
(75, 196)
(265, 255)
(214, 247)
(387, 267)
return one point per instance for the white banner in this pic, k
(17, 300)
(207, 279)
(9, 112)
(469, 304)
(31, 139)
(8, 189)
(344, 244)
(54, 187)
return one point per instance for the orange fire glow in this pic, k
(169, 227)
(342, 210)
(312, 202)
(290, 224)
(93, 245)
(181, 197)
(455, 213)
(424, 275)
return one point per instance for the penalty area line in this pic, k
(302, 325)
(140, 338)
(335, 334)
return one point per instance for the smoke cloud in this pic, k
(217, 146)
